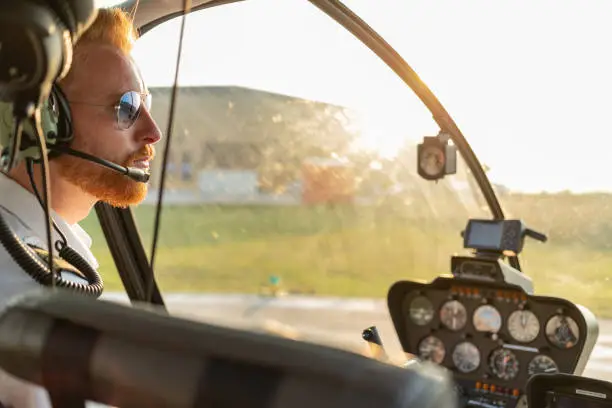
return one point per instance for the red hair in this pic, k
(112, 26)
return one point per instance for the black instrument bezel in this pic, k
(440, 290)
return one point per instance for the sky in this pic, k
(528, 83)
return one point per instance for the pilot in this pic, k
(110, 118)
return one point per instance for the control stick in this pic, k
(371, 336)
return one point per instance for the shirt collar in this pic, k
(24, 205)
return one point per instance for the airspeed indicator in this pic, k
(453, 315)
(421, 310)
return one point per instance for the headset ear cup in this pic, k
(57, 126)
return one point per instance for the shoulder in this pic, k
(22, 213)
(13, 280)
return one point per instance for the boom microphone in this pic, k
(131, 172)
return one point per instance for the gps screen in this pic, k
(485, 235)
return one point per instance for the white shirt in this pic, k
(25, 215)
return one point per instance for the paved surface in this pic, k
(332, 321)
(600, 364)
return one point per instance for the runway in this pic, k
(337, 322)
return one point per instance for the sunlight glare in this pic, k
(511, 102)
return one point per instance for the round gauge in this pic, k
(432, 160)
(432, 349)
(562, 331)
(487, 319)
(504, 364)
(421, 310)
(542, 364)
(522, 402)
(466, 357)
(453, 315)
(523, 325)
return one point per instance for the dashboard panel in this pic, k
(493, 336)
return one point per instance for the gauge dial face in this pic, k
(453, 315)
(432, 160)
(487, 319)
(421, 310)
(523, 326)
(466, 357)
(504, 364)
(542, 364)
(432, 349)
(562, 331)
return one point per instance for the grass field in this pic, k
(361, 251)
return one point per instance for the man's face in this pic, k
(98, 82)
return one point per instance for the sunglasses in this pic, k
(128, 109)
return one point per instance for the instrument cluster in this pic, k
(493, 336)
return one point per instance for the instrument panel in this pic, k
(493, 336)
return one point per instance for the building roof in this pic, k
(233, 113)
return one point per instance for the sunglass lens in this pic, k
(129, 108)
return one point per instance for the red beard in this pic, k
(103, 183)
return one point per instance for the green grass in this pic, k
(343, 251)
(347, 251)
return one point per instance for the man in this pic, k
(97, 89)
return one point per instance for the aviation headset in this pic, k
(56, 124)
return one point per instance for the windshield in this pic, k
(529, 87)
(276, 100)
(292, 197)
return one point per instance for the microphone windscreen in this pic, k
(137, 174)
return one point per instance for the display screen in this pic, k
(484, 235)
(575, 401)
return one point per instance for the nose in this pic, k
(148, 131)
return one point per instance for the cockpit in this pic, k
(321, 227)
